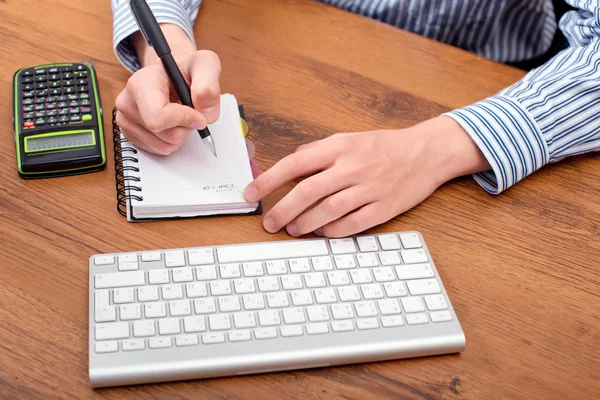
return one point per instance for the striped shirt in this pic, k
(551, 113)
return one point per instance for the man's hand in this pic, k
(359, 180)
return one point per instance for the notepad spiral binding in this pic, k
(128, 187)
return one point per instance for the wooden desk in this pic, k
(522, 269)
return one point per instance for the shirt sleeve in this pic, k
(178, 12)
(551, 113)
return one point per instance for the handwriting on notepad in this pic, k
(219, 188)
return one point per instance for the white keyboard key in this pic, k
(229, 271)
(186, 340)
(151, 256)
(325, 296)
(317, 329)
(201, 257)
(410, 240)
(239, 336)
(365, 309)
(219, 322)
(213, 337)
(294, 316)
(254, 302)
(119, 279)
(290, 331)
(389, 307)
(158, 276)
(322, 264)
(155, 310)
(107, 347)
(367, 260)
(392, 321)
(244, 285)
(367, 243)
(220, 288)
(299, 265)
(277, 300)
(172, 292)
(345, 261)
(179, 308)
(104, 260)
(423, 286)
(384, 274)
(314, 280)
(301, 298)
(244, 320)
(342, 326)
(183, 275)
(133, 344)
(272, 251)
(112, 330)
(414, 256)
(389, 242)
(130, 311)
(338, 278)
(205, 306)
(349, 293)
(291, 282)
(252, 269)
(148, 293)
(194, 324)
(372, 291)
(416, 319)
(101, 298)
(342, 311)
(414, 271)
(169, 326)
(229, 303)
(196, 289)
(265, 333)
(276, 267)
(268, 284)
(128, 258)
(395, 289)
(317, 313)
(436, 302)
(132, 266)
(413, 304)
(367, 323)
(269, 318)
(389, 258)
(124, 295)
(160, 343)
(105, 314)
(206, 273)
(342, 246)
(175, 258)
(440, 316)
(143, 328)
(360, 276)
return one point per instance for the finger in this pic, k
(140, 137)
(174, 135)
(204, 73)
(126, 105)
(358, 221)
(301, 197)
(330, 209)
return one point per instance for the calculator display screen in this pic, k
(68, 140)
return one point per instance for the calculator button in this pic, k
(41, 86)
(27, 95)
(27, 80)
(64, 111)
(40, 78)
(39, 100)
(67, 69)
(55, 92)
(62, 104)
(86, 117)
(85, 109)
(63, 119)
(69, 90)
(27, 115)
(28, 87)
(54, 84)
(41, 93)
(73, 103)
(82, 89)
(50, 106)
(61, 98)
(40, 72)
(72, 97)
(51, 113)
(50, 99)
(84, 96)
(27, 102)
(53, 70)
(40, 121)
(82, 81)
(68, 83)
(27, 73)
(28, 124)
(67, 75)
(40, 114)
(27, 109)
(80, 68)
(84, 102)
(38, 107)
(74, 110)
(75, 118)
(52, 120)
(54, 77)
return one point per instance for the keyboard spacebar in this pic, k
(270, 251)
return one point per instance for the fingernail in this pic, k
(318, 232)
(269, 225)
(198, 124)
(251, 193)
(292, 229)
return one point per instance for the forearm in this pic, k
(178, 40)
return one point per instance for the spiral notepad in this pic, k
(191, 182)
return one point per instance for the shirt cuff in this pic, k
(124, 25)
(508, 137)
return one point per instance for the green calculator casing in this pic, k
(57, 120)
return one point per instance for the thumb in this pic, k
(180, 115)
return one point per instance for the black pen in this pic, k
(155, 38)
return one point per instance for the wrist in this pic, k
(179, 42)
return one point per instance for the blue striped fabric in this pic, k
(550, 114)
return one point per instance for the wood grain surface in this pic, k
(521, 269)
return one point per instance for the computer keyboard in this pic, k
(238, 309)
